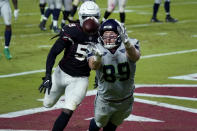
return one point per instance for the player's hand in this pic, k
(46, 84)
(16, 12)
(97, 54)
(124, 35)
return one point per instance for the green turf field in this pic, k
(30, 46)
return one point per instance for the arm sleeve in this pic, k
(57, 48)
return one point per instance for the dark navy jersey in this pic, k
(74, 42)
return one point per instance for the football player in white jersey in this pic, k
(114, 59)
(6, 13)
(70, 8)
(71, 75)
(111, 5)
(167, 10)
(67, 4)
(54, 7)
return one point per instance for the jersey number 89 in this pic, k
(110, 73)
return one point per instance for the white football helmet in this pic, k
(89, 9)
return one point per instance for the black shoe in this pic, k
(63, 24)
(170, 19)
(155, 20)
(42, 25)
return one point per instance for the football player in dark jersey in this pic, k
(71, 74)
(167, 10)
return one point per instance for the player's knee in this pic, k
(158, 1)
(101, 123)
(111, 8)
(71, 106)
(48, 104)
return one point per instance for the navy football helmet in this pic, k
(111, 25)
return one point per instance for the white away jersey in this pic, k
(116, 75)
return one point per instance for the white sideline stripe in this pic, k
(166, 96)
(141, 119)
(154, 24)
(170, 53)
(161, 33)
(166, 105)
(136, 118)
(22, 73)
(44, 46)
(185, 77)
(31, 111)
(143, 57)
(93, 92)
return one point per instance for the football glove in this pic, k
(124, 35)
(97, 54)
(125, 39)
(16, 12)
(46, 84)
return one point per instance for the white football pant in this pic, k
(74, 88)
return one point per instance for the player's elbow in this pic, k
(135, 57)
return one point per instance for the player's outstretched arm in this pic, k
(57, 48)
(131, 45)
(132, 51)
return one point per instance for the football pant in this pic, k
(112, 4)
(74, 88)
(6, 12)
(159, 1)
(112, 112)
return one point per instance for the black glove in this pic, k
(46, 84)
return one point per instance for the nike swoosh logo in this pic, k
(46, 81)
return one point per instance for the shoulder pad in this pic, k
(71, 29)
